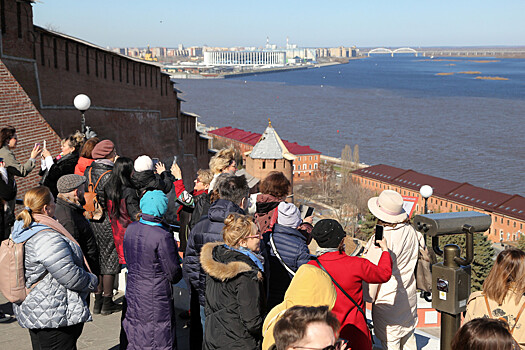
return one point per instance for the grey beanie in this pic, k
(288, 215)
(71, 182)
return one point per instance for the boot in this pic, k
(97, 305)
(109, 306)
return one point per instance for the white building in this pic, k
(245, 58)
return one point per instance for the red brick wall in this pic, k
(510, 229)
(132, 102)
(16, 109)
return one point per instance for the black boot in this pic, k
(109, 306)
(97, 305)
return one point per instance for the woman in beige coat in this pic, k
(503, 294)
(394, 310)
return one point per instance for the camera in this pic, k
(452, 223)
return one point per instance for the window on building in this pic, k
(315, 165)
(264, 164)
(77, 55)
(299, 159)
(310, 157)
(55, 53)
(274, 164)
(304, 166)
(66, 55)
(42, 49)
(87, 60)
(2, 16)
(310, 166)
(18, 18)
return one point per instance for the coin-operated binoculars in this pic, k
(451, 278)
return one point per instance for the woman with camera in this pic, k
(349, 272)
(394, 308)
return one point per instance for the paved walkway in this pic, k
(103, 332)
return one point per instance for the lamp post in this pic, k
(82, 103)
(426, 191)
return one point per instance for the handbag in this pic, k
(369, 325)
(423, 270)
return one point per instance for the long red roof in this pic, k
(465, 193)
(251, 138)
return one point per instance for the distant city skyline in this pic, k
(120, 23)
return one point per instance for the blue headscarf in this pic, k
(154, 203)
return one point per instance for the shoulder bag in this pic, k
(369, 325)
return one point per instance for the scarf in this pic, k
(320, 251)
(151, 220)
(56, 226)
(256, 258)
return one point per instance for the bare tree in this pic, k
(346, 163)
(325, 180)
(350, 201)
(356, 157)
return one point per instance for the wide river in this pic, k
(400, 111)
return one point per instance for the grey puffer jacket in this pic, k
(59, 299)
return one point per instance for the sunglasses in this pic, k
(339, 345)
(260, 236)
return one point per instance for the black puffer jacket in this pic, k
(207, 230)
(148, 180)
(71, 216)
(63, 166)
(234, 299)
(7, 217)
(108, 260)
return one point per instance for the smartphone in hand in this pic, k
(378, 235)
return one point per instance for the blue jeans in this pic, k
(203, 318)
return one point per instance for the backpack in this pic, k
(12, 271)
(93, 208)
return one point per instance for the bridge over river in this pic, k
(383, 50)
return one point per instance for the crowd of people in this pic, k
(243, 249)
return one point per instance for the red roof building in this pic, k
(507, 211)
(305, 165)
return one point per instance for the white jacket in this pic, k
(394, 311)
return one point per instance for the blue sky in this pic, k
(120, 23)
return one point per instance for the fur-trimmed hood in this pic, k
(222, 263)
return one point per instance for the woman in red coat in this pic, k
(349, 272)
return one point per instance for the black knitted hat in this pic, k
(328, 233)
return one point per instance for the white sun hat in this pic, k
(388, 207)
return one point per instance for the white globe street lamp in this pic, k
(426, 191)
(82, 103)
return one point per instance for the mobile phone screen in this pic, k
(379, 234)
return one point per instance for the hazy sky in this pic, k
(120, 23)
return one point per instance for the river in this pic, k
(400, 111)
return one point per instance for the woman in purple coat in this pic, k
(153, 266)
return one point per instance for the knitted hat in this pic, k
(154, 203)
(143, 163)
(102, 149)
(328, 233)
(288, 215)
(71, 182)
